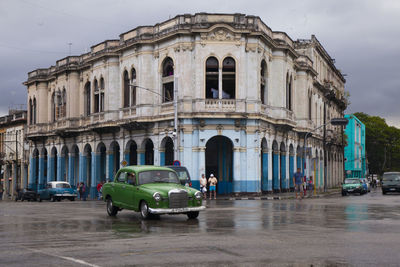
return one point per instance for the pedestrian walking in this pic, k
(298, 182)
(99, 189)
(213, 184)
(310, 186)
(305, 185)
(82, 191)
(203, 186)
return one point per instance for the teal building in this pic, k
(354, 152)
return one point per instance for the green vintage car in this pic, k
(353, 185)
(151, 190)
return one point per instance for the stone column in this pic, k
(71, 171)
(162, 156)
(60, 168)
(264, 174)
(82, 167)
(202, 160)
(94, 175)
(270, 174)
(141, 156)
(275, 167)
(42, 168)
(283, 171)
(50, 166)
(31, 183)
(237, 179)
(291, 171)
(110, 165)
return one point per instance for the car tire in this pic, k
(384, 192)
(59, 199)
(111, 209)
(52, 199)
(22, 199)
(144, 210)
(344, 193)
(193, 214)
(40, 199)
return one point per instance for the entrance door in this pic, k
(219, 151)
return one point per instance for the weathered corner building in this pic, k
(246, 96)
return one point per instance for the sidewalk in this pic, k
(277, 196)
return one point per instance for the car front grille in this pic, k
(178, 199)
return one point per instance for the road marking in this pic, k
(63, 257)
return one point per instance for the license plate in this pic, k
(350, 190)
(392, 189)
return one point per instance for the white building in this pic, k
(246, 96)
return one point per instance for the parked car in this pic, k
(26, 194)
(390, 182)
(353, 185)
(183, 175)
(151, 190)
(366, 184)
(57, 190)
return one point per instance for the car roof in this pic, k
(140, 168)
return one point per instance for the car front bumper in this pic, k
(65, 195)
(391, 189)
(176, 210)
(355, 190)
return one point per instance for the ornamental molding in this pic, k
(220, 34)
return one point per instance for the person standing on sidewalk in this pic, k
(213, 184)
(203, 186)
(298, 182)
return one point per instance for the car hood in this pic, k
(164, 188)
(390, 183)
(351, 185)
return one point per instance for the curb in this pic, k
(279, 197)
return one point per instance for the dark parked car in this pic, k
(183, 174)
(390, 182)
(26, 194)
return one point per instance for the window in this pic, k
(101, 94)
(133, 90)
(63, 112)
(212, 67)
(168, 80)
(30, 111)
(263, 83)
(96, 97)
(126, 89)
(309, 106)
(288, 92)
(87, 99)
(34, 110)
(122, 177)
(228, 78)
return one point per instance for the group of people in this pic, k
(302, 184)
(81, 187)
(211, 182)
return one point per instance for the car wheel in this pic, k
(52, 199)
(193, 214)
(22, 199)
(59, 199)
(111, 209)
(384, 192)
(343, 193)
(144, 210)
(40, 199)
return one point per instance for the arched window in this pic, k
(309, 106)
(34, 110)
(126, 89)
(30, 111)
(228, 78)
(168, 80)
(64, 103)
(53, 107)
(212, 67)
(263, 83)
(288, 92)
(101, 94)
(57, 104)
(87, 98)
(96, 97)
(133, 90)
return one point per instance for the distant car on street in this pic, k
(390, 182)
(353, 185)
(57, 190)
(26, 194)
(183, 175)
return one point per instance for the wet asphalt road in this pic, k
(335, 231)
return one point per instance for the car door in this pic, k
(119, 184)
(128, 191)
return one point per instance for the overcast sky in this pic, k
(363, 36)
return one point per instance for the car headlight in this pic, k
(197, 195)
(157, 196)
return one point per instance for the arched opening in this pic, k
(64, 164)
(228, 78)
(115, 150)
(219, 161)
(87, 98)
(263, 83)
(169, 151)
(288, 92)
(126, 89)
(212, 68)
(102, 90)
(35, 180)
(53, 164)
(34, 110)
(275, 167)
(149, 153)
(168, 80)
(132, 148)
(30, 111)
(87, 172)
(282, 164)
(101, 150)
(264, 166)
(75, 166)
(291, 167)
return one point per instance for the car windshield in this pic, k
(391, 177)
(158, 176)
(63, 186)
(182, 175)
(352, 181)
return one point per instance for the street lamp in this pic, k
(334, 122)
